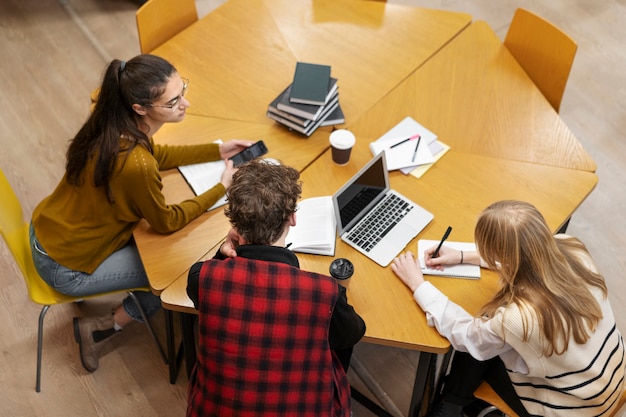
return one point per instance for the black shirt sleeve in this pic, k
(346, 326)
(193, 283)
(193, 279)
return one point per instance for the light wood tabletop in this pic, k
(243, 54)
(478, 100)
(455, 190)
(483, 166)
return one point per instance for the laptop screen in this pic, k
(362, 192)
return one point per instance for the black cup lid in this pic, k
(341, 268)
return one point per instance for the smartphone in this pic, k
(249, 153)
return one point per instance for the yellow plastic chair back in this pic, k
(488, 395)
(159, 20)
(544, 51)
(15, 233)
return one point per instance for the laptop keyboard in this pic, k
(379, 222)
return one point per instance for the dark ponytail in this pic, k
(141, 80)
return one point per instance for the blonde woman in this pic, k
(547, 341)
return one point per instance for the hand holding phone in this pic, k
(250, 153)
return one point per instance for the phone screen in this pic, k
(249, 153)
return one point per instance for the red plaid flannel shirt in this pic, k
(263, 343)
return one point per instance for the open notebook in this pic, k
(315, 227)
(458, 271)
(204, 176)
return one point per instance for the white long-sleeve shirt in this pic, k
(587, 380)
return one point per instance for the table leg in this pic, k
(424, 384)
(171, 349)
(189, 340)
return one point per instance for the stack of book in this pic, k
(310, 101)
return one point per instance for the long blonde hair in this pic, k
(545, 277)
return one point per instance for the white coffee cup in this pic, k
(341, 143)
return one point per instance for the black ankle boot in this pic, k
(446, 409)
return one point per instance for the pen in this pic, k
(416, 136)
(416, 146)
(445, 236)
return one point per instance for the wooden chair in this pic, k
(159, 20)
(15, 232)
(544, 51)
(488, 395)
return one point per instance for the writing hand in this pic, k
(446, 256)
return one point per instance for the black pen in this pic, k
(445, 236)
(416, 146)
(416, 136)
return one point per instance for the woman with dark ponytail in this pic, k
(81, 235)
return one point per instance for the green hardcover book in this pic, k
(310, 84)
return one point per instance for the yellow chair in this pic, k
(544, 51)
(94, 98)
(15, 232)
(488, 395)
(159, 20)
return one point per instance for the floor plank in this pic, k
(51, 58)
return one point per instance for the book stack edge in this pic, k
(310, 101)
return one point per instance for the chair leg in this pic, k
(487, 410)
(149, 326)
(42, 315)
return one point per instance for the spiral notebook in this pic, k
(457, 271)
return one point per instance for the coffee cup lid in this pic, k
(341, 268)
(342, 139)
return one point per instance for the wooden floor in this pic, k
(52, 54)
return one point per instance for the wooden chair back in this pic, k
(544, 51)
(159, 20)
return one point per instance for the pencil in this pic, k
(416, 146)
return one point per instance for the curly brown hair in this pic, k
(260, 200)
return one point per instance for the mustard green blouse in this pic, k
(79, 228)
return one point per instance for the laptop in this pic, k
(374, 219)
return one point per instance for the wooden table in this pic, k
(243, 54)
(456, 198)
(507, 142)
(478, 100)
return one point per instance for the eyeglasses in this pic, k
(174, 102)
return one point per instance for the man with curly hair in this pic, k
(273, 339)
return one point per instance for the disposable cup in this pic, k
(341, 143)
(342, 269)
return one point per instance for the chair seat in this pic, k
(488, 395)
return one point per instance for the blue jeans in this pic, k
(122, 270)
